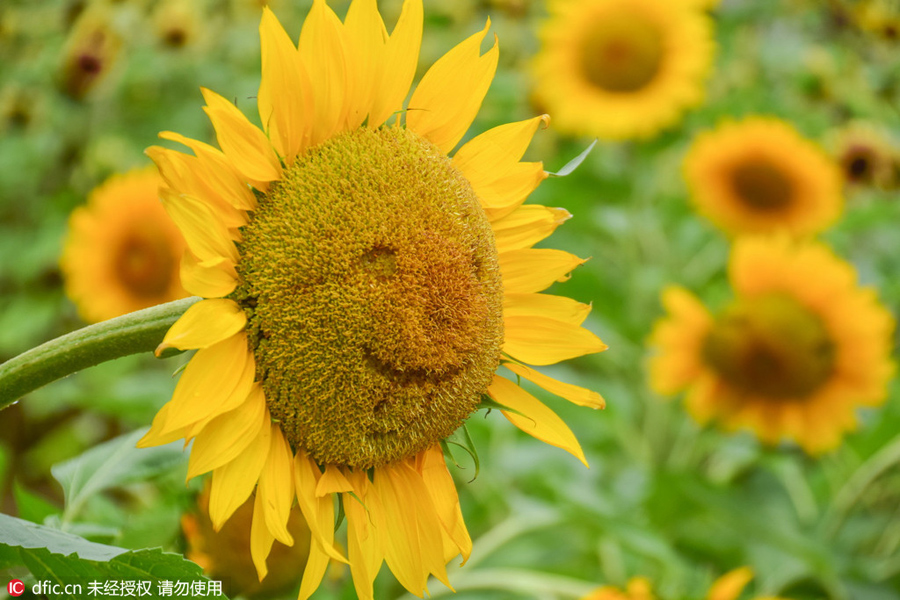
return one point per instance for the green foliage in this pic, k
(65, 560)
(112, 464)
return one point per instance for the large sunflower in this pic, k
(122, 250)
(759, 175)
(621, 69)
(361, 290)
(799, 349)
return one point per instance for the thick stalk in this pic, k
(140, 331)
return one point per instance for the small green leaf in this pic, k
(111, 464)
(491, 404)
(32, 507)
(574, 163)
(461, 438)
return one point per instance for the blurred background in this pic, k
(85, 86)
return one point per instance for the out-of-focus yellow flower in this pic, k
(759, 175)
(726, 587)
(793, 356)
(361, 288)
(90, 52)
(178, 23)
(122, 251)
(638, 588)
(866, 156)
(224, 553)
(881, 17)
(621, 69)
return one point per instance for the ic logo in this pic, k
(15, 587)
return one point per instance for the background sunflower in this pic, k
(622, 69)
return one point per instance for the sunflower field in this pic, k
(475, 299)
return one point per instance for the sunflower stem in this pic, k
(140, 331)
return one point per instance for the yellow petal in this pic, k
(233, 482)
(186, 174)
(324, 57)
(534, 418)
(226, 436)
(316, 564)
(491, 155)
(211, 278)
(276, 485)
(530, 270)
(364, 547)
(446, 501)
(505, 194)
(261, 539)
(285, 98)
(450, 94)
(560, 308)
(365, 37)
(332, 482)
(730, 585)
(542, 341)
(205, 234)
(402, 550)
(414, 537)
(156, 437)
(205, 323)
(526, 226)
(243, 143)
(218, 172)
(217, 379)
(318, 512)
(401, 55)
(577, 395)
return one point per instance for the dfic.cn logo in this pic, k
(15, 587)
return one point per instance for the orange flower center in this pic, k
(144, 263)
(371, 283)
(623, 52)
(771, 346)
(858, 163)
(762, 185)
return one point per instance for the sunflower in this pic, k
(178, 23)
(620, 69)
(361, 289)
(881, 17)
(91, 52)
(726, 587)
(792, 356)
(122, 251)
(225, 554)
(759, 175)
(865, 155)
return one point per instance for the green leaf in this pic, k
(461, 438)
(18, 533)
(491, 404)
(573, 164)
(31, 506)
(62, 559)
(111, 464)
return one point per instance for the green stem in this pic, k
(140, 331)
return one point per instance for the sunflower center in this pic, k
(771, 346)
(623, 53)
(858, 164)
(370, 278)
(144, 262)
(762, 185)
